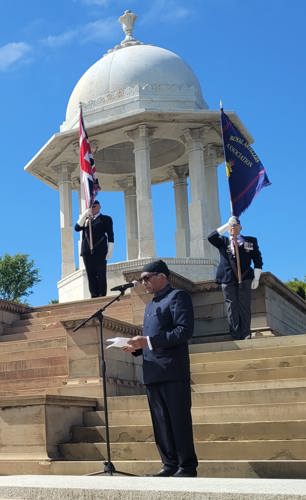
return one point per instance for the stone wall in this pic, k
(31, 427)
(275, 308)
(10, 312)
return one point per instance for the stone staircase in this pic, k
(249, 397)
(249, 414)
(34, 349)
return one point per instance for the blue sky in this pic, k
(250, 53)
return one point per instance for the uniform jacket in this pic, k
(102, 233)
(248, 252)
(168, 321)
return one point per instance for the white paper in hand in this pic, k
(118, 342)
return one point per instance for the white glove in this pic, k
(255, 281)
(87, 213)
(223, 229)
(110, 248)
(233, 221)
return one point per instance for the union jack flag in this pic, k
(88, 176)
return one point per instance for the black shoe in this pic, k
(184, 473)
(165, 472)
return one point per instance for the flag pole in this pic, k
(90, 217)
(236, 246)
(90, 234)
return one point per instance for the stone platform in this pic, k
(249, 397)
(118, 487)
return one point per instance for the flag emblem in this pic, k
(246, 174)
(88, 176)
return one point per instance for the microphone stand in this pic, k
(109, 467)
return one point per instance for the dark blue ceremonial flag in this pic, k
(246, 174)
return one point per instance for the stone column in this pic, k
(141, 139)
(65, 193)
(81, 202)
(211, 163)
(129, 187)
(199, 210)
(76, 185)
(182, 234)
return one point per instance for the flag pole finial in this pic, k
(221, 104)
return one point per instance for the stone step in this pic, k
(57, 385)
(208, 450)
(50, 333)
(248, 354)
(249, 385)
(252, 396)
(28, 386)
(25, 346)
(248, 364)
(209, 414)
(18, 356)
(237, 345)
(23, 365)
(68, 310)
(60, 369)
(249, 375)
(20, 327)
(242, 431)
(290, 469)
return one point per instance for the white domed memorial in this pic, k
(147, 123)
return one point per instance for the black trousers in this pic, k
(170, 407)
(238, 308)
(95, 266)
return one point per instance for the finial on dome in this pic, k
(127, 21)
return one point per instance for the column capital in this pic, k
(76, 148)
(94, 146)
(75, 179)
(178, 173)
(142, 131)
(213, 154)
(194, 134)
(128, 184)
(64, 170)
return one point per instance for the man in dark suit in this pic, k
(103, 243)
(237, 296)
(168, 325)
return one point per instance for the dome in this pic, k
(134, 77)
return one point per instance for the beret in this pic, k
(158, 266)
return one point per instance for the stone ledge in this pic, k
(6, 305)
(149, 488)
(115, 325)
(48, 399)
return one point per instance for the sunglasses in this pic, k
(147, 277)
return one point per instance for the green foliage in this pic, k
(298, 286)
(53, 301)
(17, 276)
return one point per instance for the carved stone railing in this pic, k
(10, 312)
(110, 323)
(14, 307)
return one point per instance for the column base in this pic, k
(75, 286)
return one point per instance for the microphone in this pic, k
(122, 288)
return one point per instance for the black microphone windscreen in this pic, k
(125, 286)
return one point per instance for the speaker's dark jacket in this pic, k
(102, 233)
(168, 321)
(249, 252)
